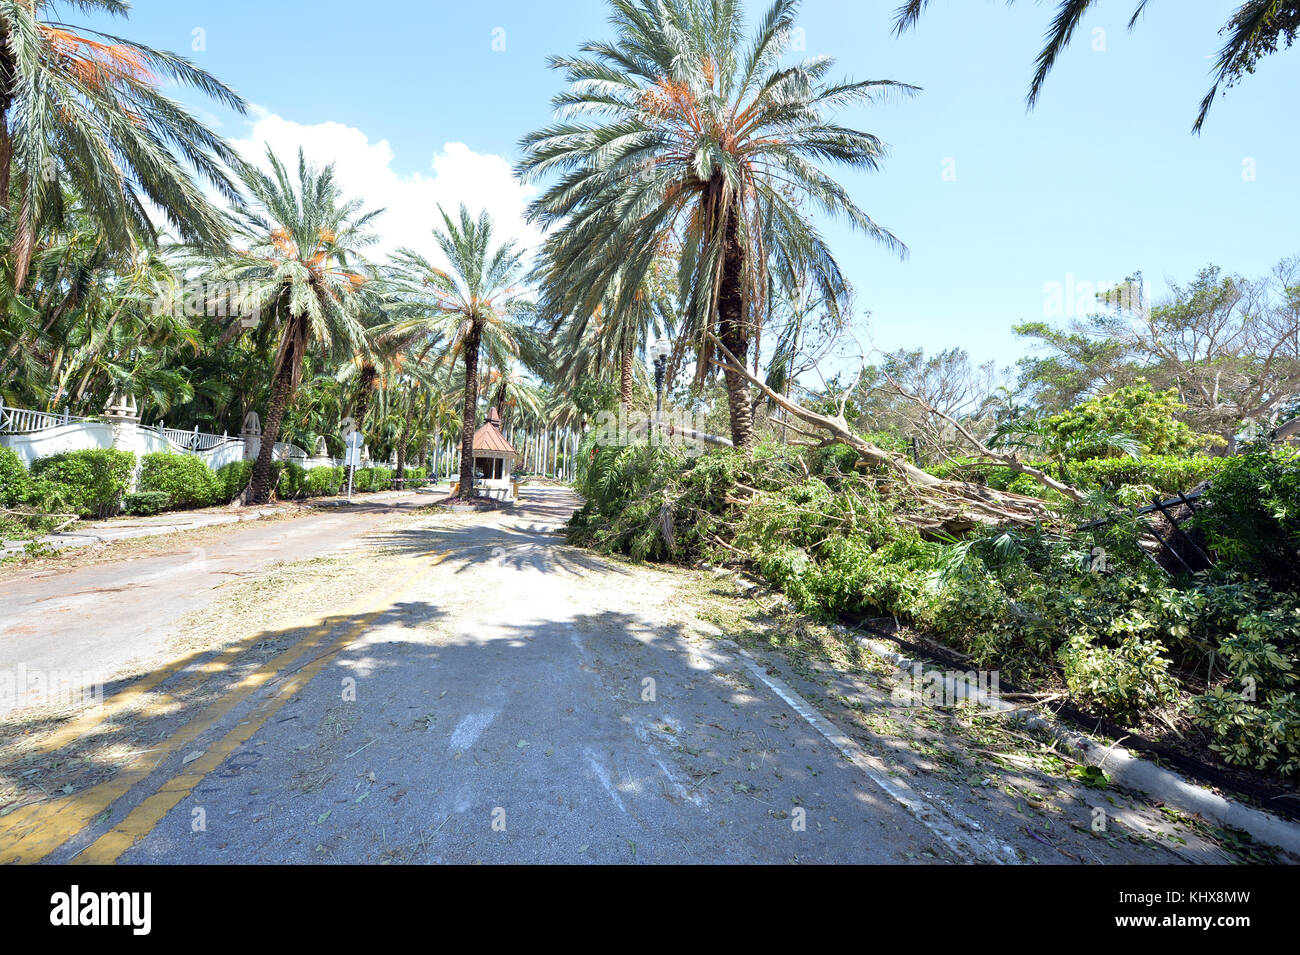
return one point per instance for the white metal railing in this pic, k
(195, 440)
(22, 421)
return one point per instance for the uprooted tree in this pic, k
(951, 506)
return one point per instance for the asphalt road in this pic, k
(491, 695)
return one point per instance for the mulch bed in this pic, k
(471, 503)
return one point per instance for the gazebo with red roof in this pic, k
(494, 458)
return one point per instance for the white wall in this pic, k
(128, 436)
(66, 437)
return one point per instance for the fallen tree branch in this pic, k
(954, 506)
(1007, 460)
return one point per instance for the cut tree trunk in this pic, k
(469, 414)
(946, 507)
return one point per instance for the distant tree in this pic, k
(1228, 345)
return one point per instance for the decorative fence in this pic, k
(37, 434)
(22, 421)
(550, 452)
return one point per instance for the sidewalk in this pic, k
(128, 528)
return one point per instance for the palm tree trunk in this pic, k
(368, 378)
(259, 485)
(625, 378)
(469, 415)
(733, 330)
(401, 442)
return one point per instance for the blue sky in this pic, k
(1102, 179)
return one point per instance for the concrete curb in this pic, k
(68, 541)
(126, 532)
(1123, 766)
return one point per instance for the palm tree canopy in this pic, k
(1257, 28)
(678, 127)
(83, 110)
(482, 287)
(303, 271)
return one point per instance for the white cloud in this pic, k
(364, 170)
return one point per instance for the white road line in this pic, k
(603, 775)
(957, 831)
(469, 729)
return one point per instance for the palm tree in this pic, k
(679, 131)
(84, 110)
(1256, 29)
(472, 307)
(615, 335)
(301, 275)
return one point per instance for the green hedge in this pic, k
(144, 503)
(372, 479)
(15, 483)
(1167, 473)
(324, 482)
(185, 478)
(292, 482)
(92, 483)
(233, 478)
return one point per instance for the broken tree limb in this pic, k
(953, 506)
(834, 424)
(1007, 460)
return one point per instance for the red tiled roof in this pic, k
(489, 437)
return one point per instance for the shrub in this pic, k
(1252, 515)
(363, 479)
(15, 483)
(1129, 680)
(186, 480)
(324, 482)
(292, 481)
(415, 477)
(1255, 717)
(1167, 474)
(91, 483)
(144, 503)
(381, 479)
(233, 478)
(1138, 410)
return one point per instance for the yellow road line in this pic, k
(32, 832)
(81, 726)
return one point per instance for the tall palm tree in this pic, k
(615, 335)
(1256, 29)
(84, 110)
(474, 307)
(679, 130)
(302, 275)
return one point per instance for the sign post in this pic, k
(352, 455)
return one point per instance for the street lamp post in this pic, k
(659, 355)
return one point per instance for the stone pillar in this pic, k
(251, 435)
(123, 416)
